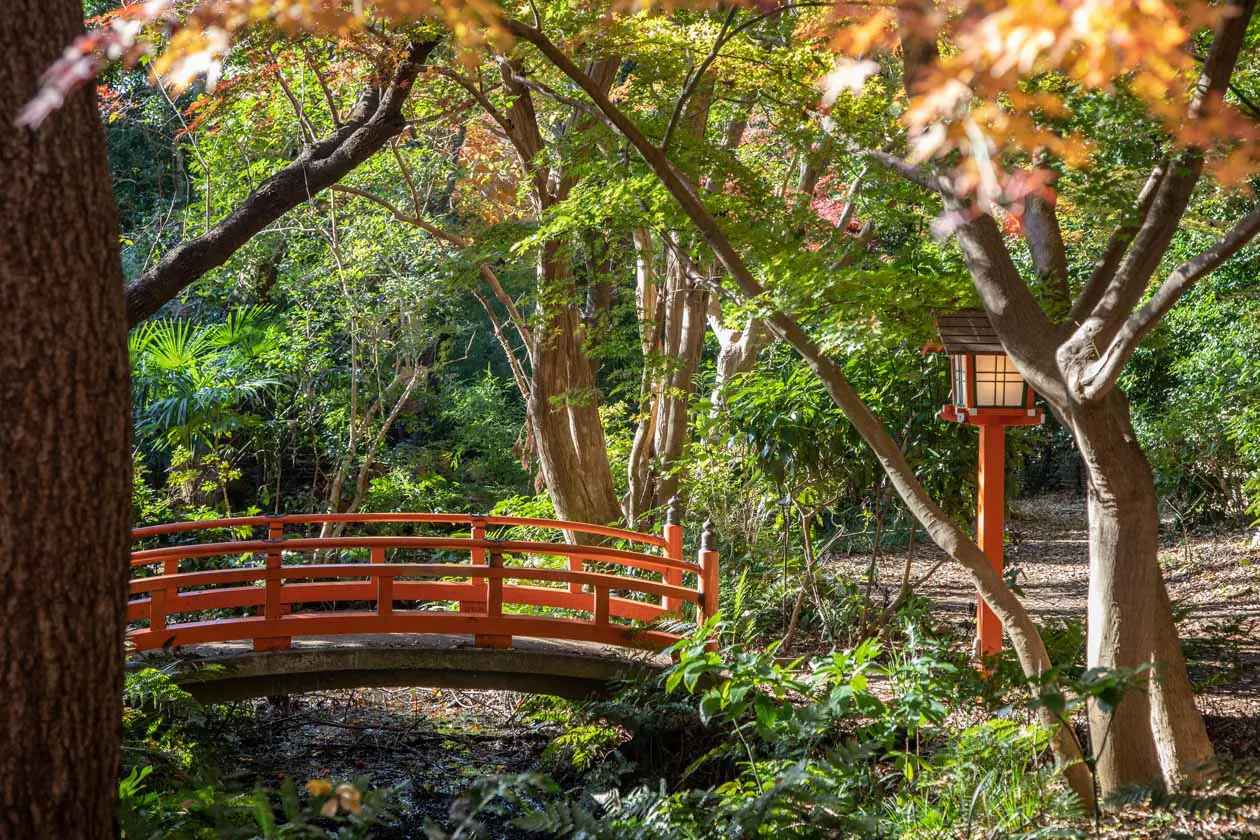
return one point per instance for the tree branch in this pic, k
(323, 86)
(850, 200)
(1021, 325)
(416, 203)
(376, 118)
(1045, 248)
(1101, 376)
(910, 172)
(518, 373)
(546, 90)
(376, 199)
(1171, 199)
(693, 81)
(476, 92)
(308, 130)
(1117, 245)
(951, 539)
(1016, 317)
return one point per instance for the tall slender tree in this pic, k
(65, 466)
(1157, 736)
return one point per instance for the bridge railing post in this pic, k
(273, 598)
(494, 608)
(160, 599)
(708, 573)
(673, 534)
(601, 606)
(478, 532)
(384, 584)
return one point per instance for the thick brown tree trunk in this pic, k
(564, 402)
(64, 449)
(1156, 735)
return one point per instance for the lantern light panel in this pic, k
(998, 383)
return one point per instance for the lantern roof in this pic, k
(967, 331)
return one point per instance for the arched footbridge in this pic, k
(295, 602)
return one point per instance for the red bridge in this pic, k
(285, 584)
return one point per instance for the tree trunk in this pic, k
(564, 402)
(684, 343)
(65, 466)
(1156, 736)
(672, 328)
(739, 349)
(651, 327)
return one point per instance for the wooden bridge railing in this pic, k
(291, 596)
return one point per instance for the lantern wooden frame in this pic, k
(967, 337)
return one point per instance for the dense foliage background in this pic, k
(349, 358)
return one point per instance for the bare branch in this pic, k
(492, 280)
(910, 172)
(518, 374)
(376, 199)
(854, 249)
(308, 130)
(376, 118)
(478, 94)
(546, 90)
(323, 86)
(850, 200)
(1016, 317)
(1101, 376)
(1117, 246)
(416, 204)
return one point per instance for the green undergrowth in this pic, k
(871, 741)
(895, 737)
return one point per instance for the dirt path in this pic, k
(1213, 579)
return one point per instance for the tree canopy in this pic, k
(597, 260)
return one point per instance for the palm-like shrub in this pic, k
(195, 384)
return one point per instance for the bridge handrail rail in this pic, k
(333, 571)
(596, 553)
(487, 520)
(291, 595)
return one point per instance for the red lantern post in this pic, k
(987, 391)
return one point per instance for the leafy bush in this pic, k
(857, 743)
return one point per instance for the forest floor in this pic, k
(425, 746)
(428, 745)
(1213, 577)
